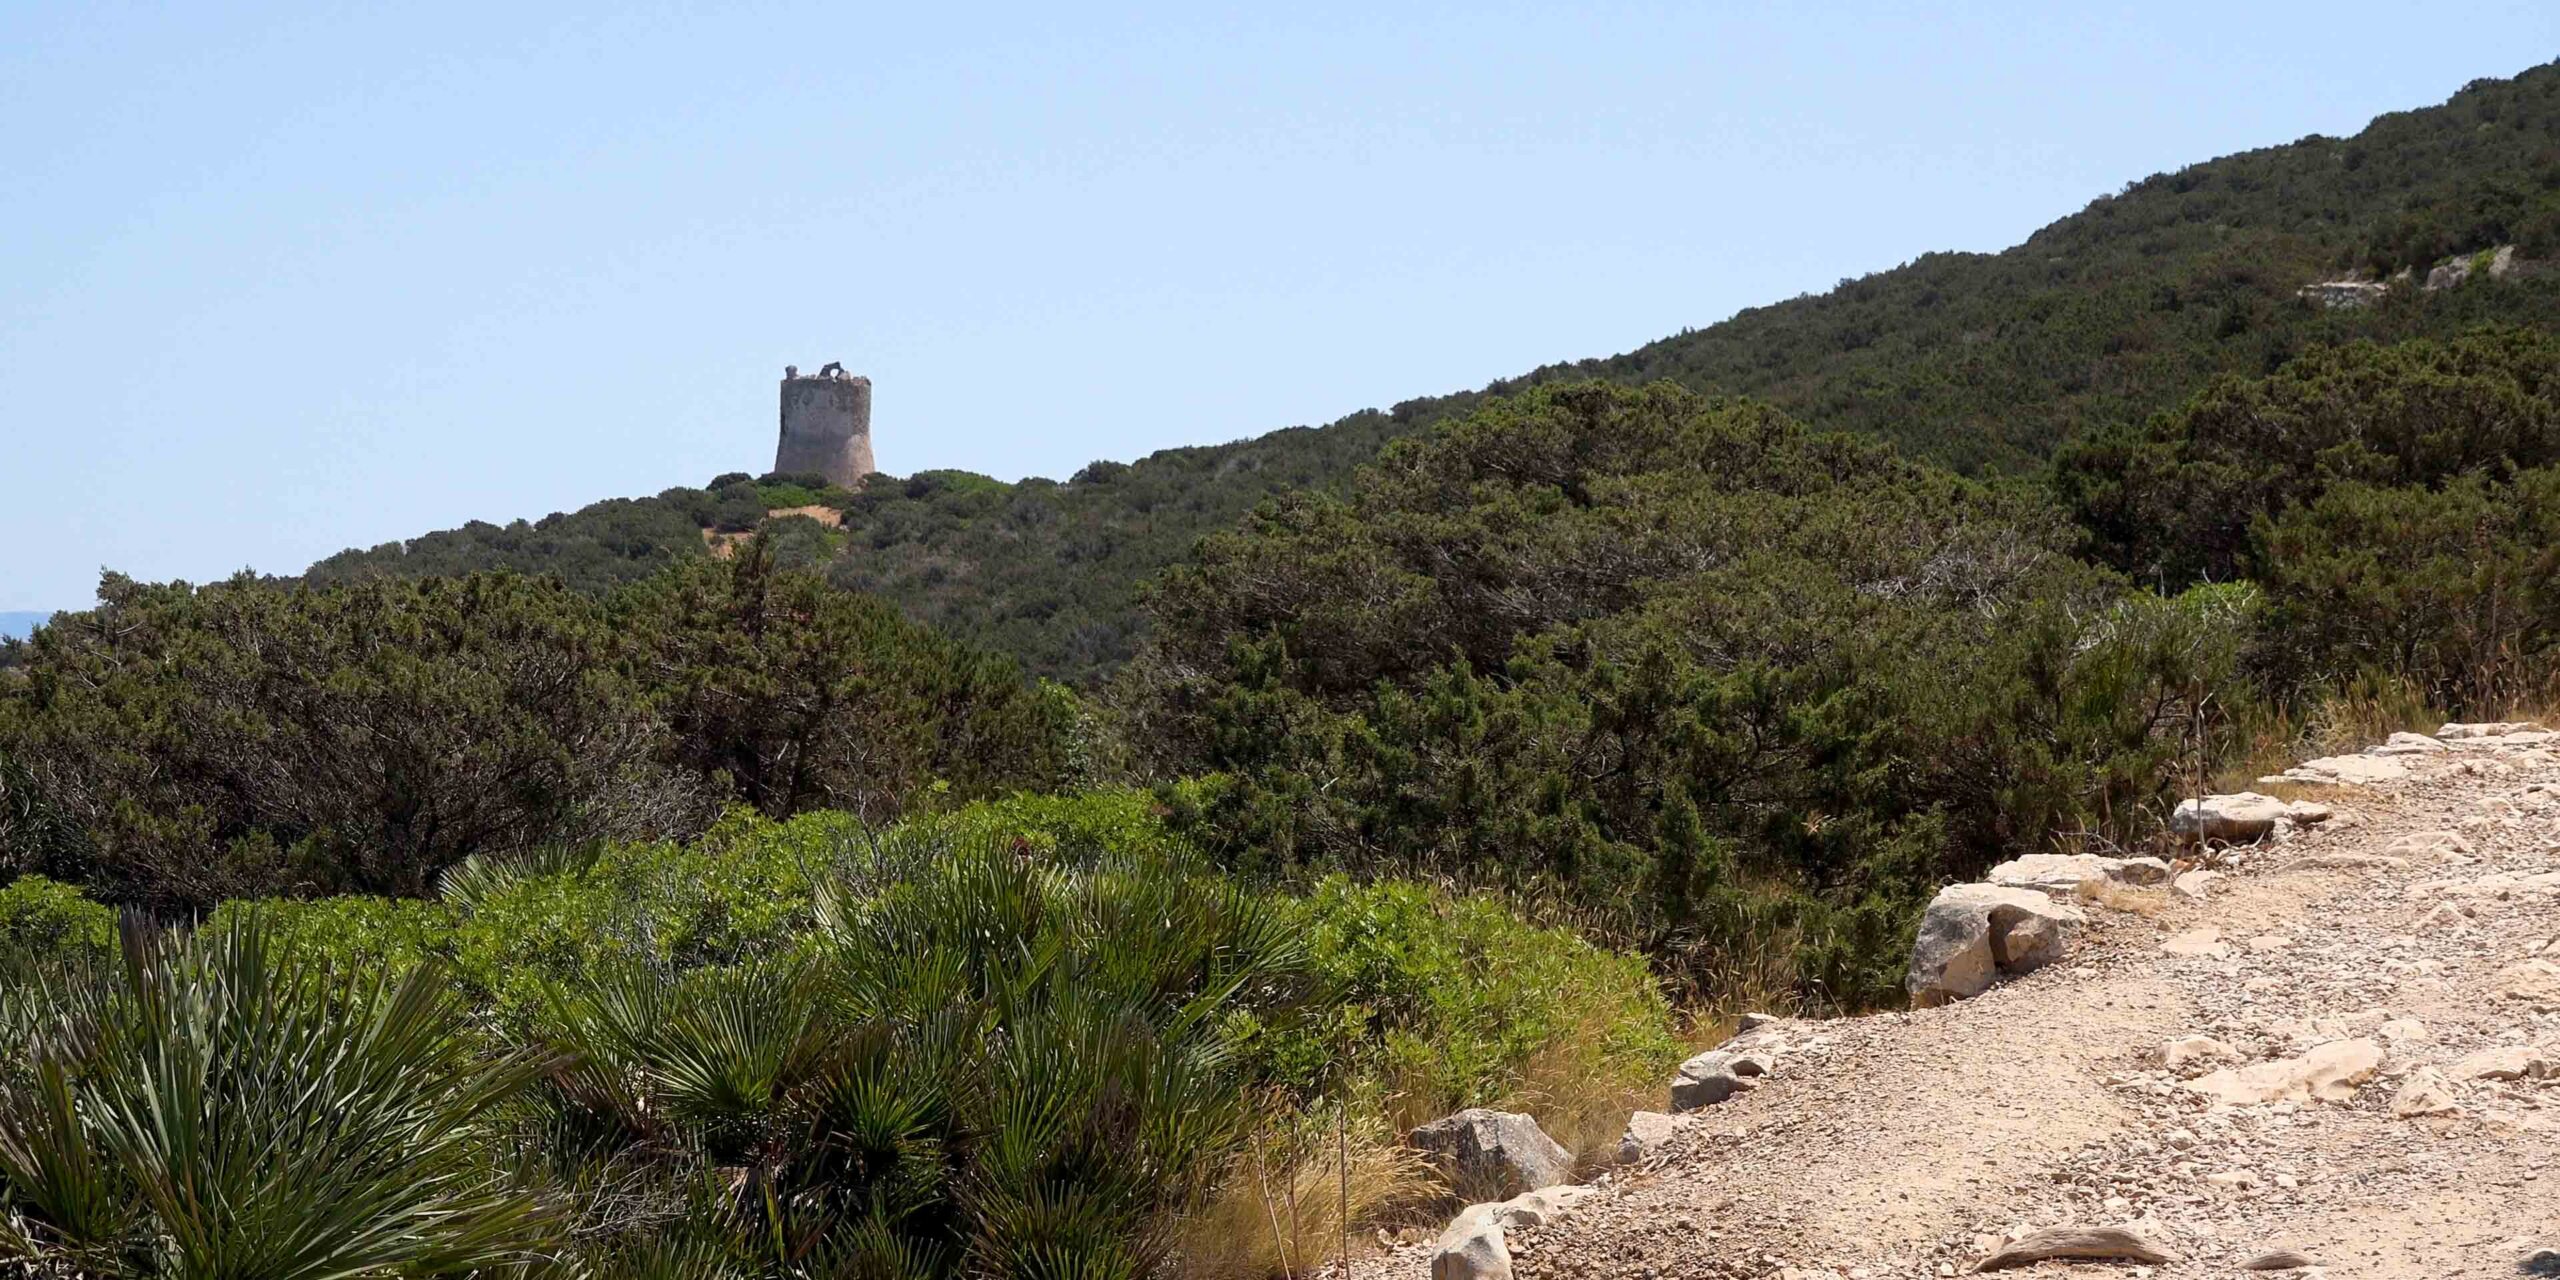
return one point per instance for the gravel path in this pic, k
(2401, 935)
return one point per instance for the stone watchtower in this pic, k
(826, 425)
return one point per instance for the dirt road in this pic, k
(2402, 935)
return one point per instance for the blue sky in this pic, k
(279, 280)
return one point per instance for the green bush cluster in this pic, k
(998, 1039)
(1445, 1001)
(2455, 590)
(2395, 502)
(178, 746)
(1699, 678)
(51, 922)
(779, 495)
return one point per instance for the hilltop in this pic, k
(1986, 363)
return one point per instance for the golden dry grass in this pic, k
(1579, 1105)
(2138, 900)
(2340, 721)
(2345, 720)
(1579, 1097)
(1279, 1211)
(1582, 1099)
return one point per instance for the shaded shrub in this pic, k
(2455, 589)
(2393, 500)
(2175, 500)
(797, 696)
(1671, 669)
(180, 746)
(244, 739)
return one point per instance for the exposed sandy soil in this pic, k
(725, 545)
(1913, 1144)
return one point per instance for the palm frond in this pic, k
(252, 1115)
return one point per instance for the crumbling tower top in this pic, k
(826, 425)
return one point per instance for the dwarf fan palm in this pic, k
(205, 1109)
(986, 1064)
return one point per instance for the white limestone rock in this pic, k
(2239, 818)
(1475, 1245)
(2506, 1062)
(1647, 1133)
(1474, 1251)
(1973, 934)
(2203, 941)
(1505, 1152)
(2535, 983)
(2485, 729)
(2188, 1051)
(2327, 1073)
(2424, 1092)
(2341, 771)
(1714, 1076)
(2066, 872)
(2195, 884)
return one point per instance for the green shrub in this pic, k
(798, 696)
(2174, 501)
(1072, 829)
(35, 835)
(49, 922)
(248, 739)
(180, 746)
(799, 542)
(354, 934)
(782, 495)
(906, 1034)
(1448, 999)
(745, 890)
(992, 1066)
(2455, 590)
(1675, 669)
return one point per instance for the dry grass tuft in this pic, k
(2340, 721)
(2134, 899)
(1581, 1106)
(1279, 1210)
(1582, 1095)
(2369, 711)
(1583, 1101)
(2293, 790)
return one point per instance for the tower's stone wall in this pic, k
(826, 427)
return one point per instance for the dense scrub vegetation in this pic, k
(1984, 362)
(1714, 681)
(1026, 1039)
(1990, 362)
(1665, 673)
(178, 746)
(2397, 504)
(762, 915)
